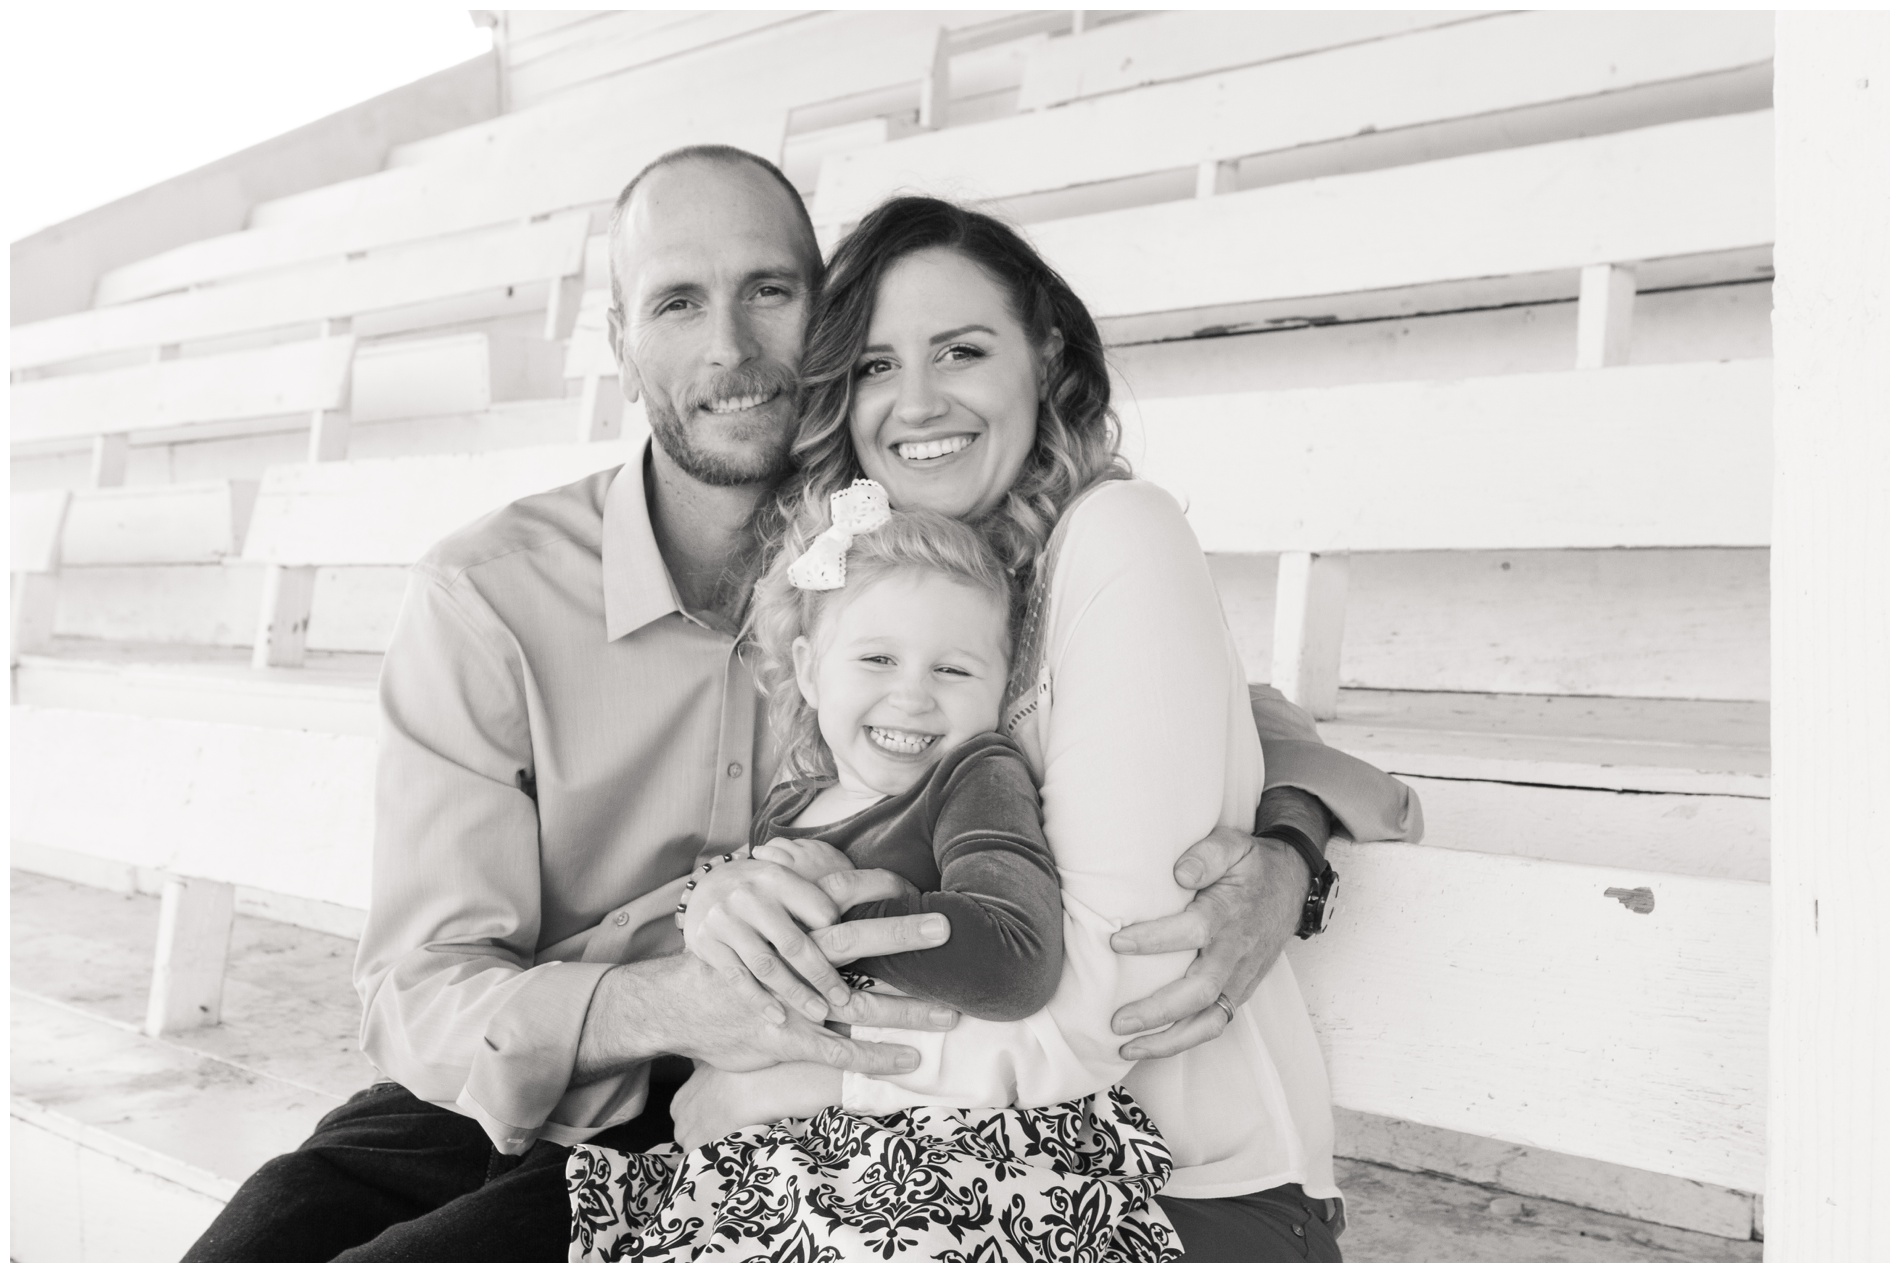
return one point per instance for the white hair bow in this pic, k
(858, 508)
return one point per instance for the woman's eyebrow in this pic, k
(955, 332)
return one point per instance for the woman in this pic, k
(949, 363)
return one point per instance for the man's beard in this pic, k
(749, 466)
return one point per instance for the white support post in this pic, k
(329, 436)
(284, 619)
(1830, 1095)
(1606, 303)
(1216, 176)
(35, 604)
(601, 407)
(933, 102)
(194, 939)
(109, 454)
(1309, 625)
(564, 306)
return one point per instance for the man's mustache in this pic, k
(746, 382)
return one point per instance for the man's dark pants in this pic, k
(388, 1177)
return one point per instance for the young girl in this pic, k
(885, 648)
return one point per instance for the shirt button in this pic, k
(620, 920)
(734, 769)
(1298, 1231)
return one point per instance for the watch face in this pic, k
(1329, 904)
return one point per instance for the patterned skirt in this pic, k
(1069, 1182)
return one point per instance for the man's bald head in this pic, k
(711, 155)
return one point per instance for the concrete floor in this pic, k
(289, 1011)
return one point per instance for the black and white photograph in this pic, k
(867, 635)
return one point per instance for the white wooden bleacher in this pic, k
(1620, 156)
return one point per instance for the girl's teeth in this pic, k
(931, 450)
(726, 406)
(902, 741)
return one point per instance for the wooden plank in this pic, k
(158, 525)
(1530, 59)
(1173, 46)
(446, 267)
(35, 520)
(1672, 191)
(285, 810)
(390, 512)
(1650, 456)
(1566, 1020)
(274, 381)
(616, 46)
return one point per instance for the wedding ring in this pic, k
(1226, 1006)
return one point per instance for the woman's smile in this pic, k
(923, 451)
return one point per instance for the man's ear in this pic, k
(802, 661)
(616, 334)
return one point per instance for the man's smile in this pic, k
(733, 406)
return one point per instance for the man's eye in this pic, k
(673, 306)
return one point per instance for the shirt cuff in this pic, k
(1368, 802)
(526, 1059)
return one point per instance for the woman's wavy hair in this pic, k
(781, 612)
(1077, 435)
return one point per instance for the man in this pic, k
(568, 728)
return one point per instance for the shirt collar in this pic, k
(637, 588)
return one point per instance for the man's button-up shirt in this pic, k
(559, 745)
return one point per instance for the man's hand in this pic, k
(715, 1102)
(1249, 903)
(680, 1006)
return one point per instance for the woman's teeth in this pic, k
(901, 741)
(934, 448)
(728, 406)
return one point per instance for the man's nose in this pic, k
(732, 341)
(919, 400)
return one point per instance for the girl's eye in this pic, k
(953, 671)
(880, 660)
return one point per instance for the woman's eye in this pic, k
(962, 353)
(874, 367)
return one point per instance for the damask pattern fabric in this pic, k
(1062, 1183)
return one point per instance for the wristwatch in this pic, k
(1322, 893)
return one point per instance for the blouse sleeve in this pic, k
(1148, 746)
(997, 887)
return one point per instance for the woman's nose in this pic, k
(919, 401)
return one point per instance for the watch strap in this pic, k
(1287, 833)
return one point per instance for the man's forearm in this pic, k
(627, 1018)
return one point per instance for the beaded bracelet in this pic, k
(679, 912)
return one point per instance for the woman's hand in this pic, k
(715, 1102)
(751, 918)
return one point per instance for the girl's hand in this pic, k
(749, 919)
(812, 859)
(715, 1102)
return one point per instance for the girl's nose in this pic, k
(913, 695)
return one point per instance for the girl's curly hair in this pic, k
(1077, 435)
(781, 613)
